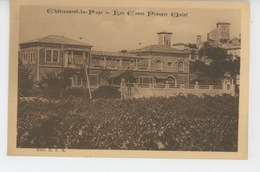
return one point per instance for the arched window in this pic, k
(102, 61)
(132, 63)
(118, 62)
(158, 64)
(181, 66)
(171, 81)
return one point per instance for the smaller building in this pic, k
(233, 48)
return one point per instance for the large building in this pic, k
(166, 64)
(154, 64)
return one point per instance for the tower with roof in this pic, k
(164, 38)
(221, 33)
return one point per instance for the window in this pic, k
(52, 56)
(169, 64)
(158, 65)
(55, 56)
(32, 58)
(70, 58)
(118, 62)
(48, 56)
(180, 66)
(25, 58)
(171, 81)
(132, 64)
(102, 62)
(143, 64)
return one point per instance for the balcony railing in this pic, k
(175, 86)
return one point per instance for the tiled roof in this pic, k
(57, 39)
(160, 49)
(114, 54)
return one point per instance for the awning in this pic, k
(117, 74)
(160, 76)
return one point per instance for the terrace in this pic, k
(137, 90)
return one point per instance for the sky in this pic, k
(108, 32)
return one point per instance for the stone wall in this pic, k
(138, 92)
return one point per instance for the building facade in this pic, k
(154, 64)
(165, 63)
(44, 55)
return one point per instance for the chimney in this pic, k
(164, 39)
(198, 39)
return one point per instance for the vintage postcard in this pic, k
(154, 79)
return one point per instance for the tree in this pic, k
(221, 63)
(67, 73)
(192, 45)
(235, 66)
(217, 54)
(25, 80)
(52, 80)
(51, 84)
(199, 68)
(128, 75)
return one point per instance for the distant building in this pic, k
(199, 43)
(220, 37)
(221, 33)
(233, 48)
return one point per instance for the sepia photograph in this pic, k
(129, 81)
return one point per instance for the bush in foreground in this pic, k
(186, 123)
(106, 92)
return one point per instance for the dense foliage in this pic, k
(176, 123)
(25, 80)
(106, 92)
(221, 63)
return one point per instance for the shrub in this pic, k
(106, 92)
(76, 92)
(50, 85)
(25, 80)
